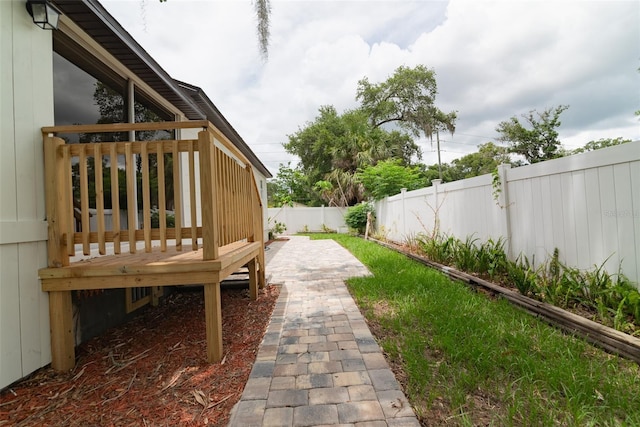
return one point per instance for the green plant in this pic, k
(356, 216)
(440, 248)
(170, 219)
(523, 275)
(326, 229)
(496, 186)
(622, 299)
(491, 258)
(614, 299)
(305, 229)
(465, 254)
(276, 229)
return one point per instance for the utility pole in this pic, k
(439, 162)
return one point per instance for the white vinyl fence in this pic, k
(307, 219)
(586, 205)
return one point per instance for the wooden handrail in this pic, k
(230, 206)
(125, 127)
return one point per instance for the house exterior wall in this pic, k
(26, 103)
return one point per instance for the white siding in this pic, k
(26, 104)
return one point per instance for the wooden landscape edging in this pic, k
(603, 336)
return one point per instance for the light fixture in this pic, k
(44, 14)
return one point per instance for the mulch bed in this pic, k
(151, 371)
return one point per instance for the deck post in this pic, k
(208, 190)
(258, 228)
(263, 269)
(253, 278)
(60, 305)
(212, 302)
(213, 321)
(63, 356)
(56, 195)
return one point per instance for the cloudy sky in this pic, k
(493, 60)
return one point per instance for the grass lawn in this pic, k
(467, 359)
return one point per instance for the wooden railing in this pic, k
(230, 208)
(216, 204)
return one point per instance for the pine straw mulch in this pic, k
(151, 371)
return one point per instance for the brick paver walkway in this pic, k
(318, 363)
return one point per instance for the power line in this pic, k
(476, 136)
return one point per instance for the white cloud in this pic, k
(493, 60)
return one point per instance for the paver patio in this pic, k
(318, 363)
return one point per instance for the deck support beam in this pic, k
(253, 278)
(213, 321)
(63, 356)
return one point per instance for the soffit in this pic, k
(93, 19)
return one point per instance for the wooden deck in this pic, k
(216, 203)
(156, 268)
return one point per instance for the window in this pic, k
(88, 91)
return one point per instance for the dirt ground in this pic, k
(151, 371)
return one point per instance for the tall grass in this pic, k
(482, 361)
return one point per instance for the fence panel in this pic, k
(587, 206)
(312, 219)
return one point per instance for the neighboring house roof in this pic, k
(214, 116)
(94, 19)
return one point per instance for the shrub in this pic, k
(356, 216)
(170, 219)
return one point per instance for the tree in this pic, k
(341, 188)
(356, 216)
(289, 186)
(408, 99)
(484, 161)
(537, 143)
(312, 143)
(333, 147)
(601, 143)
(388, 177)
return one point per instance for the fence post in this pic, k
(503, 202)
(403, 192)
(322, 217)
